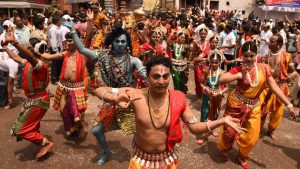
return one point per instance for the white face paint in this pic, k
(162, 70)
(120, 44)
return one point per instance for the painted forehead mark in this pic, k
(161, 70)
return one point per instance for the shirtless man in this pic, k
(158, 111)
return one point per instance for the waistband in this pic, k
(153, 159)
(67, 85)
(37, 95)
(246, 101)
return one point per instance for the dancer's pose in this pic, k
(116, 68)
(35, 81)
(282, 69)
(243, 103)
(158, 112)
(213, 91)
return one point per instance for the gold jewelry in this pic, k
(156, 111)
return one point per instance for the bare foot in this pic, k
(244, 163)
(44, 150)
(272, 135)
(200, 141)
(7, 107)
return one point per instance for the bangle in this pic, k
(207, 126)
(221, 92)
(240, 76)
(289, 106)
(102, 96)
(115, 91)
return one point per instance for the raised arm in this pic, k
(24, 53)
(140, 67)
(89, 31)
(86, 52)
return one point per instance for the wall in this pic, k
(245, 5)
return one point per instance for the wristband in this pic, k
(102, 96)
(115, 91)
(207, 126)
(290, 106)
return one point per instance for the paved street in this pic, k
(284, 153)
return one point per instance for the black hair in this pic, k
(116, 32)
(158, 60)
(34, 41)
(38, 21)
(229, 26)
(250, 45)
(55, 19)
(140, 26)
(279, 39)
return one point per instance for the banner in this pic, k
(283, 3)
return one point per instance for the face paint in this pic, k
(162, 71)
(120, 44)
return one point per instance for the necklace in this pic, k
(277, 62)
(151, 114)
(156, 110)
(253, 84)
(277, 52)
(213, 83)
(201, 46)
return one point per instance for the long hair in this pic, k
(116, 32)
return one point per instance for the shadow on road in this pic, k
(291, 152)
(28, 153)
(211, 149)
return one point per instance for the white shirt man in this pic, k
(55, 39)
(283, 34)
(264, 43)
(229, 40)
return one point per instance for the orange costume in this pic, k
(270, 102)
(243, 103)
(70, 97)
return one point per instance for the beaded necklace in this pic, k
(213, 83)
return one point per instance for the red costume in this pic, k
(34, 84)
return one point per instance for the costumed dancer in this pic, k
(212, 91)
(71, 94)
(243, 103)
(200, 50)
(116, 69)
(180, 63)
(158, 114)
(35, 81)
(282, 69)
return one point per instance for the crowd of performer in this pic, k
(138, 64)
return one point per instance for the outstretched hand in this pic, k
(125, 99)
(234, 123)
(90, 14)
